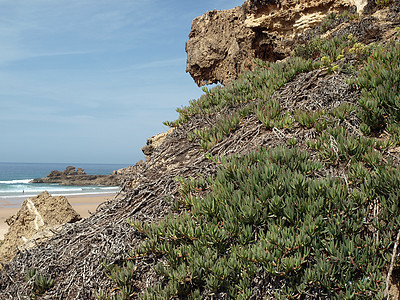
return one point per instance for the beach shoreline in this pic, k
(83, 204)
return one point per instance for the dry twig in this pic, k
(396, 244)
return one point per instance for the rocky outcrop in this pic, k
(73, 176)
(37, 219)
(154, 142)
(219, 46)
(125, 171)
(224, 44)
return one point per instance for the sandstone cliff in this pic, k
(224, 44)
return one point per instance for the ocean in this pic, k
(15, 178)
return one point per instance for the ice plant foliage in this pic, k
(269, 210)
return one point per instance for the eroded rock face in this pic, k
(154, 142)
(36, 219)
(219, 46)
(224, 44)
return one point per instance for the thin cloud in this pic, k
(153, 65)
(59, 64)
(161, 63)
(52, 116)
(29, 29)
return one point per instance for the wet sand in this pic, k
(83, 204)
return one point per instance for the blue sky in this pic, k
(90, 80)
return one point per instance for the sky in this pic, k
(88, 81)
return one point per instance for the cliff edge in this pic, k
(224, 44)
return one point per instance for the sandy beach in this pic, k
(83, 204)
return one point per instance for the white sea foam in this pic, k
(101, 188)
(30, 194)
(30, 190)
(52, 189)
(83, 194)
(16, 181)
(58, 189)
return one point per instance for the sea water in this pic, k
(15, 180)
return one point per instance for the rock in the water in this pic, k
(73, 176)
(224, 44)
(35, 221)
(71, 171)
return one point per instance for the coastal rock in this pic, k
(124, 172)
(77, 254)
(154, 142)
(36, 220)
(73, 176)
(72, 171)
(224, 44)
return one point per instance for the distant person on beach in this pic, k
(23, 191)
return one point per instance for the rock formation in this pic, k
(154, 142)
(36, 220)
(224, 44)
(73, 176)
(219, 46)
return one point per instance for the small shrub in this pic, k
(342, 111)
(365, 129)
(40, 284)
(327, 22)
(373, 158)
(335, 145)
(211, 136)
(357, 172)
(292, 142)
(122, 275)
(382, 3)
(270, 115)
(384, 144)
(321, 125)
(307, 118)
(310, 50)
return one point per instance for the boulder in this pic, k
(224, 44)
(36, 220)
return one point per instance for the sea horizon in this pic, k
(15, 185)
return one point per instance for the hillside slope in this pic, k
(282, 184)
